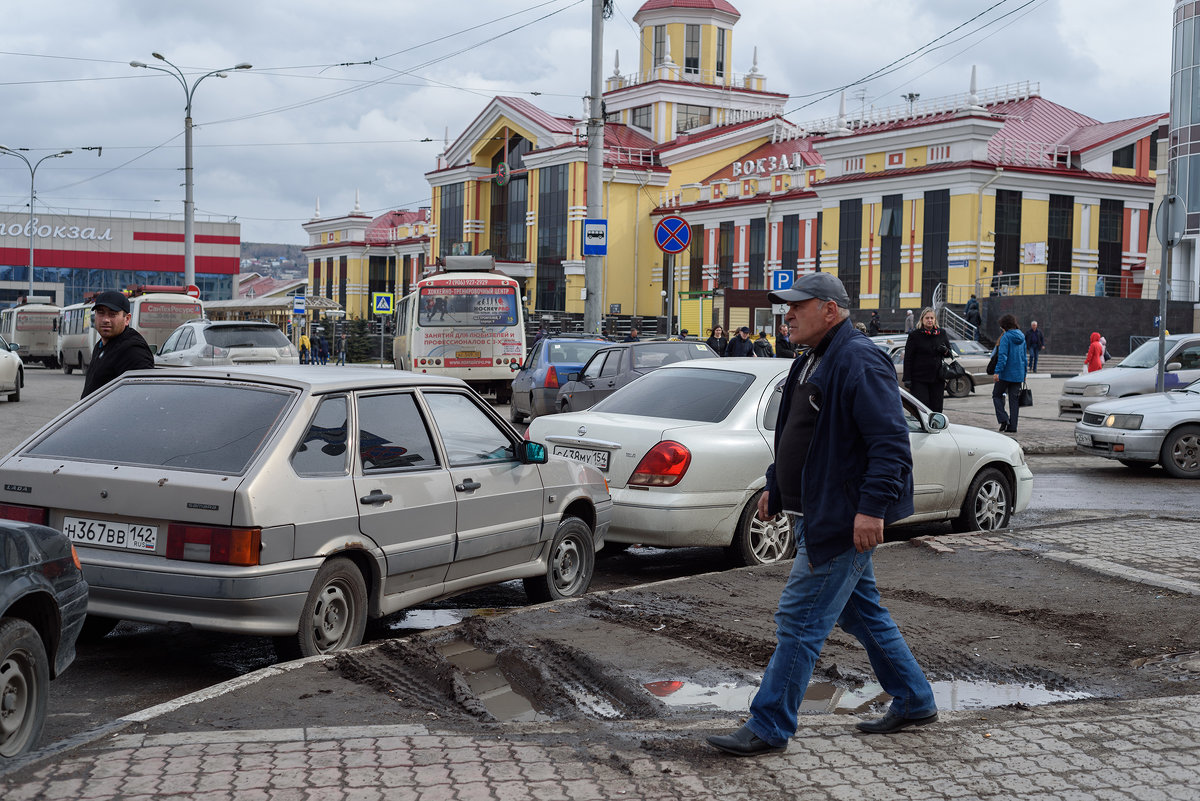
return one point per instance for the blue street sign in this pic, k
(297, 304)
(381, 302)
(672, 234)
(595, 237)
(782, 279)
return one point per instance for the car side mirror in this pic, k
(572, 376)
(1174, 366)
(514, 367)
(938, 422)
(532, 452)
(14, 347)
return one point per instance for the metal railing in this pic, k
(1069, 283)
(950, 320)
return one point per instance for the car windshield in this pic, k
(1146, 355)
(572, 352)
(245, 336)
(188, 425)
(656, 354)
(702, 396)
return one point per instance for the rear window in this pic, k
(572, 352)
(191, 426)
(246, 336)
(701, 396)
(649, 357)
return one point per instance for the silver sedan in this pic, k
(1145, 430)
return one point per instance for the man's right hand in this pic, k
(762, 506)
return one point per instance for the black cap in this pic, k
(113, 300)
(823, 286)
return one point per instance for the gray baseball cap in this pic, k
(823, 286)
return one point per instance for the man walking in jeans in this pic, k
(843, 469)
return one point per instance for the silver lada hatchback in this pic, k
(298, 503)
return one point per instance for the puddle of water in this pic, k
(823, 696)
(488, 682)
(425, 619)
(1185, 664)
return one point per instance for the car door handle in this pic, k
(468, 486)
(375, 498)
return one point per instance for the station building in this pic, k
(994, 191)
(77, 254)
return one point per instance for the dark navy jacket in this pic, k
(126, 351)
(859, 460)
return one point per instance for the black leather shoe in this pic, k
(744, 742)
(1003, 427)
(891, 723)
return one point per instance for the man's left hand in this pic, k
(868, 532)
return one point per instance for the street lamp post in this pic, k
(189, 211)
(10, 151)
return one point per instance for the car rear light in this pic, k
(75, 558)
(216, 544)
(25, 514)
(213, 352)
(551, 378)
(663, 466)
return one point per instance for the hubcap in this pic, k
(14, 699)
(990, 506)
(331, 617)
(1186, 453)
(770, 540)
(568, 564)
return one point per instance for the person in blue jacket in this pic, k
(1010, 373)
(842, 470)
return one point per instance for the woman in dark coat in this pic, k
(924, 350)
(718, 341)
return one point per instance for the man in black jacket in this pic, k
(741, 344)
(120, 347)
(784, 348)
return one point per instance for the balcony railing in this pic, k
(1067, 283)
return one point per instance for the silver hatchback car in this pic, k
(299, 503)
(208, 343)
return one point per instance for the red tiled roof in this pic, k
(564, 125)
(619, 135)
(1091, 136)
(714, 5)
(693, 138)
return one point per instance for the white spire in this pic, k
(754, 66)
(667, 50)
(357, 208)
(617, 64)
(973, 96)
(842, 127)
(317, 213)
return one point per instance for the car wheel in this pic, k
(988, 503)
(572, 562)
(334, 617)
(1137, 467)
(761, 542)
(95, 629)
(515, 415)
(24, 685)
(15, 395)
(564, 407)
(959, 387)
(67, 367)
(1180, 454)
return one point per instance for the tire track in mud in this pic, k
(412, 673)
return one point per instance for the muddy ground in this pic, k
(612, 658)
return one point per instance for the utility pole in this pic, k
(593, 266)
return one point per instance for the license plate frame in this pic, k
(111, 534)
(594, 458)
(467, 354)
(1083, 439)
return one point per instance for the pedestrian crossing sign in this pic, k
(381, 302)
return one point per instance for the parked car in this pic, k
(207, 343)
(550, 361)
(12, 371)
(685, 450)
(972, 355)
(1137, 374)
(1141, 431)
(43, 601)
(619, 364)
(297, 503)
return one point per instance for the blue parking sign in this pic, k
(782, 279)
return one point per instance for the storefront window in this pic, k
(552, 237)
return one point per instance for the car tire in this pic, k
(988, 504)
(15, 395)
(334, 617)
(572, 563)
(1180, 455)
(1137, 466)
(95, 629)
(959, 387)
(515, 415)
(761, 542)
(24, 686)
(67, 367)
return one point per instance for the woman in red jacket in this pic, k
(1095, 354)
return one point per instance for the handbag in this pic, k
(948, 371)
(991, 368)
(1025, 396)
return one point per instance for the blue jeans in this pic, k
(841, 591)
(1033, 359)
(1009, 389)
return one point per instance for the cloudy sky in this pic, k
(308, 122)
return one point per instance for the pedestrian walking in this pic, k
(305, 348)
(873, 327)
(1035, 340)
(1010, 373)
(909, 322)
(762, 346)
(120, 349)
(717, 340)
(634, 335)
(972, 315)
(784, 348)
(322, 350)
(924, 351)
(1104, 349)
(1094, 359)
(741, 344)
(842, 470)
(341, 350)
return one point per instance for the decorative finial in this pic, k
(754, 66)
(973, 96)
(617, 64)
(667, 50)
(317, 213)
(357, 208)
(842, 127)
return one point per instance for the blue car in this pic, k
(536, 384)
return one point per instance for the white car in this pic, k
(1137, 374)
(210, 343)
(12, 371)
(685, 449)
(1139, 432)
